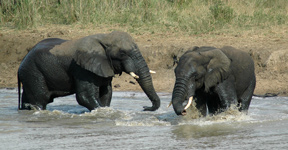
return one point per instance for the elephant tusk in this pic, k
(189, 103)
(134, 75)
(169, 104)
(151, 71)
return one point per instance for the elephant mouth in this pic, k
(184, 111)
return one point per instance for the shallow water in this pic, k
(66, 125)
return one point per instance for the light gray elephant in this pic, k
(86, 66)
(214, 78)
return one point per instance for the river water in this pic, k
(66, 125)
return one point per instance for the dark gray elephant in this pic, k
(214, 78)
(56, 67)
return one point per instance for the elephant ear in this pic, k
(218, 68)
(91, 55)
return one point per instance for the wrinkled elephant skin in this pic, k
(214, 78)
(86, 67)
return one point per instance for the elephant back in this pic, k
(242, 66)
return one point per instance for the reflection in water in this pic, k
(196, 131)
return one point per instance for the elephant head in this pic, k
(198, 68)
(108, 54)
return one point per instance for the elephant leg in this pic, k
(227, 93)
(200, 100)
(201, 107)
(246, 97)
(29, 103)
(106, 95)
(213, 103)
(35, 95)
(87, 94)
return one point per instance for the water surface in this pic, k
(66, 125)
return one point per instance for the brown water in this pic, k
(66, 125)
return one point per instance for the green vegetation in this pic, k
(190, 16)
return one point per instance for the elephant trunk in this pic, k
(145, 81)
(179, 95)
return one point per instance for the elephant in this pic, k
(216, 78)
(85, 67)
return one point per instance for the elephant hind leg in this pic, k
(35, 91)
(35, 99)
(26, 103)
(246, 97)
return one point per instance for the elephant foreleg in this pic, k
(201, 100)
(213, 103)
(227, 93)
(106, 95)
(87, 94)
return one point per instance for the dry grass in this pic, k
(152, 16)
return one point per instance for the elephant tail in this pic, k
(19, 92)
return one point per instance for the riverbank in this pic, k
(269, 49)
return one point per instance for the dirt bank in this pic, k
(269, 50)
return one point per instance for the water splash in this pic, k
(106, 112)
(232, 114)
(132, 118)
(150, 121)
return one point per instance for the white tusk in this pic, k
(189, 103)
(169, 104)
(151, 71)
(134, 75)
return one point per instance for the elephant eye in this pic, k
(123, 54)
(195, 75)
